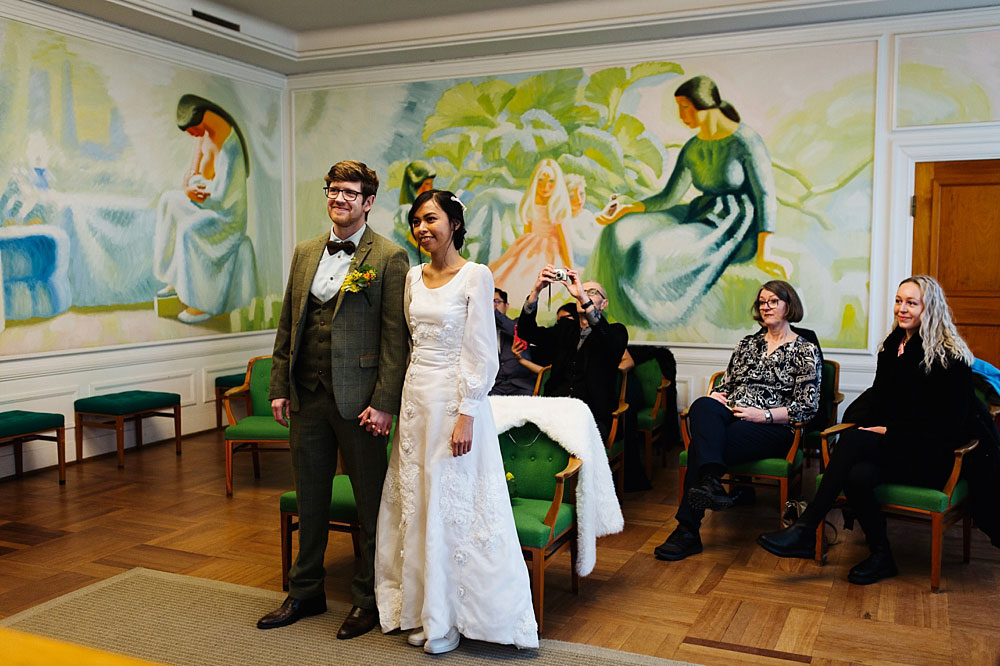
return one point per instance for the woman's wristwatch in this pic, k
(768, 417)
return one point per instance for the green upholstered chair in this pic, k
(343, 513)
(942, 508)
(18, 426)
(541, 378)
(258, 431)
(651, 414)
(543, 497)
(830, 398)
(785, 473)
(112, 410)
(222, 384)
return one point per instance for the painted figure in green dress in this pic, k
(662, 256)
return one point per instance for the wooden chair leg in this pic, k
(782, 497)
(18, 457)
(61, 451)
(538, 583)
(120, 440)
(229, 468)
(286, 547)
(78, 432)
(937, 534)
(256, 460)
(138, 431)
(218, 407)
(177, 428)
(966, 536)
(682, 472)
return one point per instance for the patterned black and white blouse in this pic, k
(789, 377)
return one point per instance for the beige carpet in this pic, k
(192, 621)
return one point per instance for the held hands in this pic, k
(279, 409)
(375, 421)
(196, 193)
(461, 436)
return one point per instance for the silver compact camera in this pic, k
(561, 274)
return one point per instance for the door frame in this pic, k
(907, 147)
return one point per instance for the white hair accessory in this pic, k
(458, 201)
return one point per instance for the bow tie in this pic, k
(333, 247)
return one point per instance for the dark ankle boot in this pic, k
(877, 566)
(796, 540)
(709, 494)
(681, 543)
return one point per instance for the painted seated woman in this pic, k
(772, 382)
(663, 256)
(915, 415)
(200, 248)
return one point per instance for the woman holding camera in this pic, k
(772, 381)
(913, 418)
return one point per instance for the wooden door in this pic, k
(956, 239)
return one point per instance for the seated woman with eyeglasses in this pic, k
(772, 381)
(913, 418)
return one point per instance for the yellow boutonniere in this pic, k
(358, 279)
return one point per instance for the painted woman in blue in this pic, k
(664, 256)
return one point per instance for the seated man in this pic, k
(584, 355)
(517, 374)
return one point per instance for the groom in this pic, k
(339, 358)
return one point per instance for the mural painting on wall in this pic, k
(679, 185)
(140, 199)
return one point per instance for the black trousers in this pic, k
(857, 465)
(718, 440)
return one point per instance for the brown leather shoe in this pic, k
(291, 611)
(358, 621)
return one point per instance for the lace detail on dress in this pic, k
(526, 631)
(475, 516)
(448, 333)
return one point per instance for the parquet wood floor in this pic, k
(732, 604)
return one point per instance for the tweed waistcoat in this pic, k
(312, 367)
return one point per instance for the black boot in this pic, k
(681, 543)
(796, 540)
(709, 494)
(877, 566)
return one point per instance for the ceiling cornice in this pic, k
(580, 24)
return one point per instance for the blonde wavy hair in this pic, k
(941, 340)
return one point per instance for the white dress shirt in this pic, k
(333, 268)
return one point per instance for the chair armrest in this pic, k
(234, 392)
(824, 439)
(661, 397)
(557, 497)
(956, 470)
(616, 419)
(685, 428)
(799, 427)
(838, 398)
(538, 379)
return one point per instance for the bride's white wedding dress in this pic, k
(447, 550)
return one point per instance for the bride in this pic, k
(448, 562)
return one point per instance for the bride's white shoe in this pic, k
(446, 643)
(417, 638)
